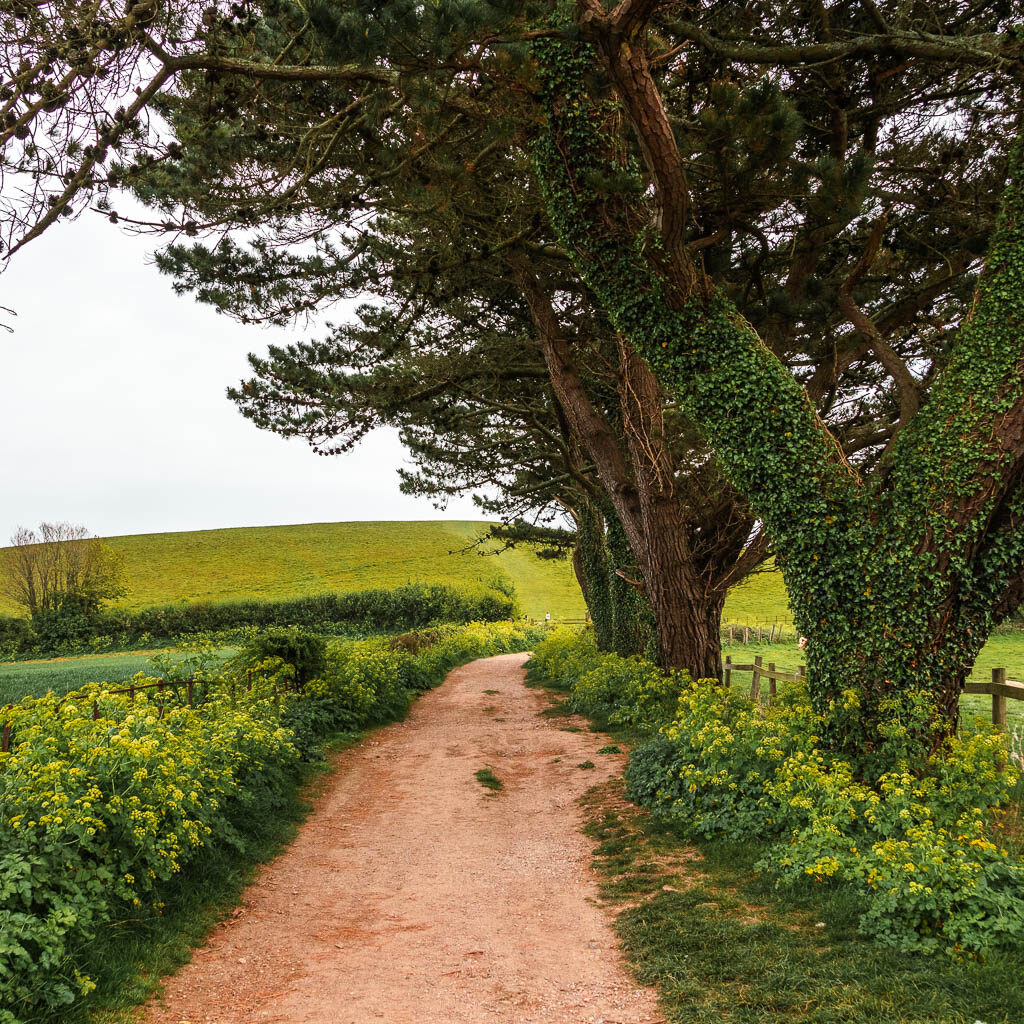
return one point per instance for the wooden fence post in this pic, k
(730, 632)
(755, 682)
(191, 693)
(771, 681)
(771, 635)
(95, 711)
(999, 699)
(727, 674)
(746, 634)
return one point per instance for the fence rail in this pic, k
(769, 633)
(1000, 688)
(160, 685)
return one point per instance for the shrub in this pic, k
(306, 652)
(916, 846)
(629, 691)
(96, 816)
(411, 607)
(16, 636)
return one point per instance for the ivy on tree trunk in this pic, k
(897, 578)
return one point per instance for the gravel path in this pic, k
(411, 896)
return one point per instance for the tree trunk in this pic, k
(590, 559)
(635, 631)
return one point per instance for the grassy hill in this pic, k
(288, 561)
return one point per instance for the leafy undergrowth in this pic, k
(131, 958)
(723, 946)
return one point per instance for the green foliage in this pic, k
(630, 692)
(368, 611)
(917, 847)
(306, 652)
(15, 636)
(593, 562)
(95, 815)
(277, 562)
(97, 818)
(873, 565)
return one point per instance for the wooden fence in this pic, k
(769, 633)
(1000, 688)
(160, 685)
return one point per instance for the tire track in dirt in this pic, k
(412, 897)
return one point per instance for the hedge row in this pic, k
(410, 607)
(920, 848)
(98, 817)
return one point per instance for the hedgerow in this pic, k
(414, 606)
(99, 815)
(918, 847)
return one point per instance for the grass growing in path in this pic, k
(722, 946)
(488, 779)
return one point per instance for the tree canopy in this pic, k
(785, 210)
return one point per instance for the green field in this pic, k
(760, 598)
(1004, 650)
(34, 678)
(289, 561)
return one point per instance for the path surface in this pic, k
(411, 897)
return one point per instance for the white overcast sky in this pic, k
(113, 412)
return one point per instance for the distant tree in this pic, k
(61, 563)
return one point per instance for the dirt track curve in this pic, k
(411, 897)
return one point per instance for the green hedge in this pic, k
(414, 606)
(98, 817)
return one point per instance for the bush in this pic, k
(97, 816)
(412, 607)
(917, 848)
(306, 652)
(16, 636)
(629, 691)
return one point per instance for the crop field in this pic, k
(289, 561)
(61, 675)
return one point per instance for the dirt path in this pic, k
(411, 897)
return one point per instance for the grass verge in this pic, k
(131, 958)
(722, 945)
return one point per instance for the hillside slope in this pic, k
(287, 561)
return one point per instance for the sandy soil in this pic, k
(412, 897)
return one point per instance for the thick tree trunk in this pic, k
(654, 520)
(635, 631)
